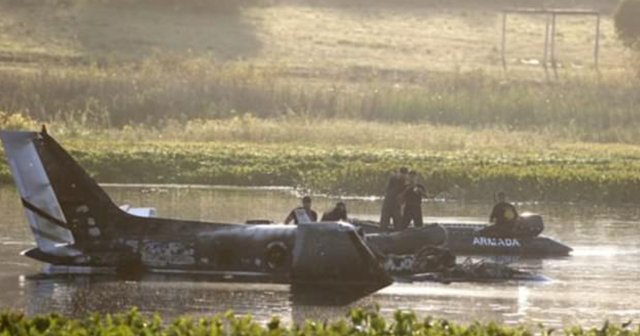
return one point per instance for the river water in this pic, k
(598, 282)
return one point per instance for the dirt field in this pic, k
(309, 39)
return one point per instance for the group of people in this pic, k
(402, 206)
(305, 214)
(402, 202)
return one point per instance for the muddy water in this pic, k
(599, 281)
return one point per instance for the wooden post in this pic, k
(546, 42)
(553, 40)
(596, 48)
(504, 39)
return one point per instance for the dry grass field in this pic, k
(310, 39)
(386, 82)
(110, 63)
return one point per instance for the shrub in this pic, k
(358, 322)
(627, 23)
(16, 121)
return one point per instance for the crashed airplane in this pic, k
(77, 227)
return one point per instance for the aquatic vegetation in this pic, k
(609, 174)
(360, 322)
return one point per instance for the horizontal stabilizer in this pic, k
(38, 254)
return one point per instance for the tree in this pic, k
(627, 22)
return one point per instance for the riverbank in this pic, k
(558, 172)
(358, 322)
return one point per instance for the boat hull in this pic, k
(468, 239)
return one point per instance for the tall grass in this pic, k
(316, 133)
(159, 89)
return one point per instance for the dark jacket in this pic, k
(334, 215)
(503, 213)
(414, 194)
(395, 186)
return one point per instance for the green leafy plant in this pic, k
(358, 322)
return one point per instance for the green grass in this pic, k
(561, 175)
(349, 157)
(358, 322)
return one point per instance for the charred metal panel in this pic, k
(155, 253)
(257, 248)
(334, 252)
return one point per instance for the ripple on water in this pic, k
(603, 251)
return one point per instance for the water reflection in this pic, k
(174, 296)
(170, 296)
(523, 302)
(598, 282)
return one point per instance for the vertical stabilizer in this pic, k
(42, 208)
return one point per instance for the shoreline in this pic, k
(467, 175)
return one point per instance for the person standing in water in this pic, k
(413, 195)
(392, 203)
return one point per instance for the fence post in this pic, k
(546, 42)
(504, 39)
(596, 48)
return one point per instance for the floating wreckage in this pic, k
(437, 264)
(423, 254)
(78, 229)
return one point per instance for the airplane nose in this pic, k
(335, 253)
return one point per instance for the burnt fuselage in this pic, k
(76, 224)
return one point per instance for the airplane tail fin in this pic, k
(65, 208)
